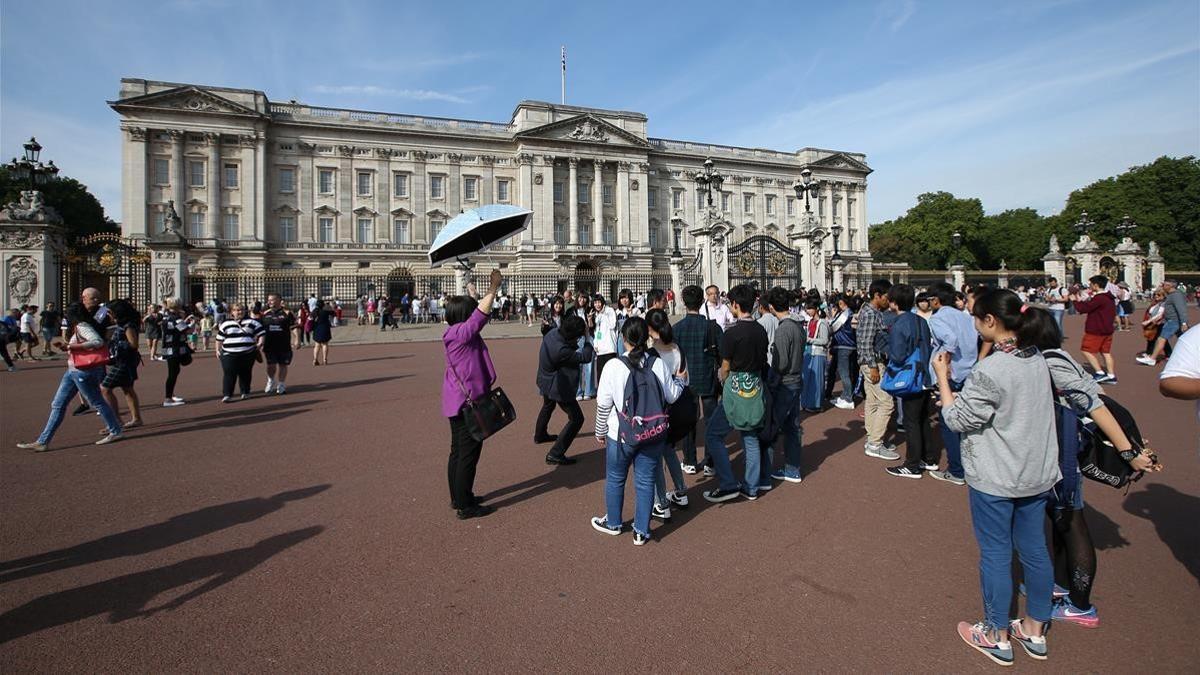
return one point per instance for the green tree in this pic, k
(82, 213)
(1019, 237)
(922, 237)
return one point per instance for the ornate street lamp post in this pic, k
(1126, 227)
(805, 187)
(1083, 225)
(708, 180)
(28, 167)
(955, 239)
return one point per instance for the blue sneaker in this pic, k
(1034, 645)
(976, 635)
(1065, 611)
(789, 476)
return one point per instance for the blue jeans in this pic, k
(786, 409)
(758, 463)
(671, 459)
(1001, 523)
(587, 385)
(708, 404)
(846, 371)
(1058, 317)
(86, 381)
(618, 458)
(951, 440)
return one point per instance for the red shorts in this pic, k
(1097, 344)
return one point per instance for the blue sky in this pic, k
(1016, 103)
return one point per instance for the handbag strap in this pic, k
(458, 380)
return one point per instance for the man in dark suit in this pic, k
(558, 381)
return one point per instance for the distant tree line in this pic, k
(1163, 198)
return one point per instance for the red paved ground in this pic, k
(312, 533)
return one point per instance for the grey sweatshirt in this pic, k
(1005, 414)
(788, 352)
(1176, 306)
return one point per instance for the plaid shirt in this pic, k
(690, 333)
(870, 322)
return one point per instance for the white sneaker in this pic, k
(689, 469)
(660, 512)
(709, 471)
(281, 388)
(843, 404)
(929, 467)
(678, 499)
(880, 452)
(1146, 361)
(270, 386)
(177, 399)
(171, 403)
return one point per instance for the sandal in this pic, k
(132, 424)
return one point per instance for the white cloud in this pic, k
(902, 14)
(373, 90)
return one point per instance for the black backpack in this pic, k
(1098, 458)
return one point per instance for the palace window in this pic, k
(287, 228)
(584, 193)
(364, 230)
(400, 232)
(558, 191)
(560, 233)
(606, 194)
(196, 174)
(160, 221)
(470, 189)
(196, 224)
(791, 205)
(747, 203)
(677, 199)
(437, 187)
(232, 226)
(435, 228)
(585, 233)
(162, 171)
(287, 180)
(364, 183)
(502, 190)
(770, 205)
(400, 184)
(699, 199)
(653, 236)
(325, 181)
(652, 198)
(725, 201)
(609, 233)
(231, 176)
(850, 212)
(325, 231)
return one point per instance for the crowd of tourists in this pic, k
(987, 368)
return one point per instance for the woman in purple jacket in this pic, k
(469, 371)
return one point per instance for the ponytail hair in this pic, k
(658, 321)
(635, 333)
(1027, 322)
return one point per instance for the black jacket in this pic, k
(558, 366)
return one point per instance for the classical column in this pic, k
(573, 200)
(214, 184)
(641, 174)
(624, 228)
(260, 186)
(597, 203)
(134, 194)
(418, 189)
(526, 163)
(178, 170)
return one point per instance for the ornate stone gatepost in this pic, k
(1158, 266)
(1129, 255)
(1054, 263)
(32, 239)
(958, 274)
(714, 250)
(462, 275)
(676, 265)
(838, 265)
(168, 259)
(1002, 275)
(1088, 254)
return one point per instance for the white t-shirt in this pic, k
(1185, 360)
(27, 323)
(610, 394)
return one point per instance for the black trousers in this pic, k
(918, 435)
(460, 469)
(601, 361)
(173, 367)
(4, 353)
(236, 368)
(569, 430)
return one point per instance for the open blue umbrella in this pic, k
(477, 230)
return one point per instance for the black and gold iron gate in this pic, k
(764, 262)
(117, 267)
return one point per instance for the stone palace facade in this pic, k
(261, 185)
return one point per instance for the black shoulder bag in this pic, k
(486, 416)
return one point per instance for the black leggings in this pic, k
(236, 367)
(601, 361)
(918, 435)
(173, 367)
(1074, 555)
(460, 469)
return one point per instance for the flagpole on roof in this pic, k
(564, 74)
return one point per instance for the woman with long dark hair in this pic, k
(124, 361)
(664, 347)
(620, 455)
(83, 375)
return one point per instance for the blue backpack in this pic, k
(909, 378)
(643, 419)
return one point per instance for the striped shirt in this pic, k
(239, 337)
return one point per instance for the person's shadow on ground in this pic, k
(176, 530)
(589, 469)
(126, 597)
(1174, 515)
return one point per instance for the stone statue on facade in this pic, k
(1054, 248)
(31, 208)
(1153, 250)
(171, 221)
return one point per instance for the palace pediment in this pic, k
(585, 128)
(840, 160)
(184, 99)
